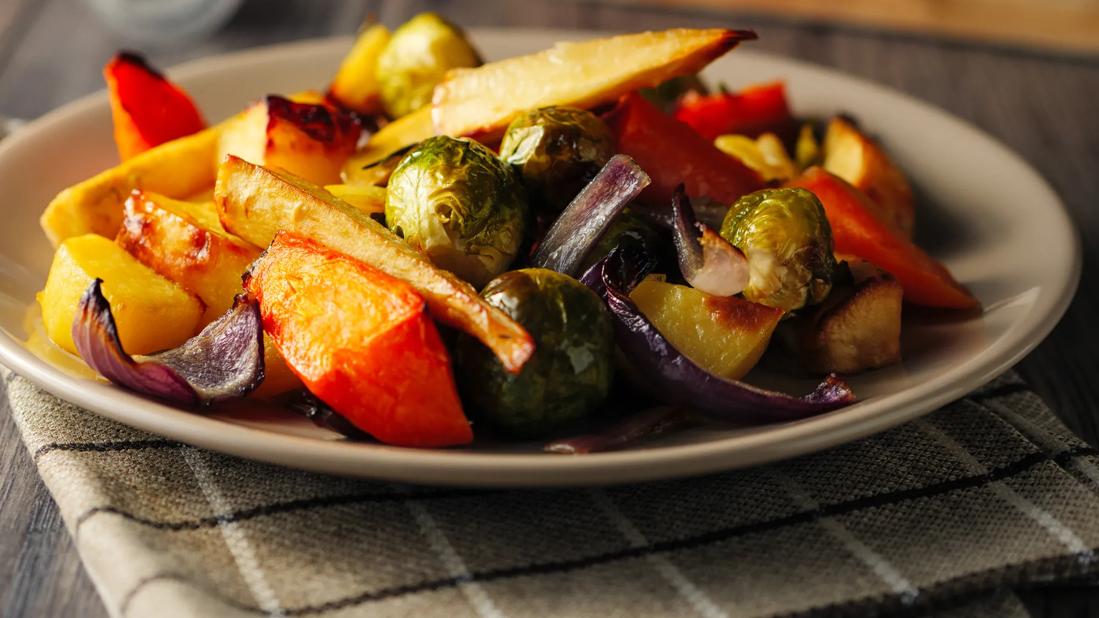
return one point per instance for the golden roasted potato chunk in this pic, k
(483, 100)
(307, 139)
(178, 168)
(355, 85)
(185, 242)
(151, 312)
(723, 335)
(857, 328)
(256, 203)
(854, 157)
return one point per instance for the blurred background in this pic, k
(41, 40)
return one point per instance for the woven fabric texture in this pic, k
(944, 515)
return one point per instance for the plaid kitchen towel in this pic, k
(944, 514)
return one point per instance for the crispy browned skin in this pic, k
(858, 328)
(184, 242)
(255, 203)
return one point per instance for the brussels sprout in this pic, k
(455, 201)
(417, 58)
(556, 151)
(572, 366)
(788, 242)
(629, 227)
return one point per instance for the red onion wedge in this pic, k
(674, 377)
(708, 212)
(585, 219)
(708, 262)
(644, 424)
(224, 361)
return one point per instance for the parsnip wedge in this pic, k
(255, 203)
(178, 169)
(482, 101)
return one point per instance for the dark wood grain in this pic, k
(1043, 106)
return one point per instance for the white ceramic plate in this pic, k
(985, 213)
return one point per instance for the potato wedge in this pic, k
(255, 203)
(482, 101)
(355, 85)
(309, 140)
(724, 335)
(857, 328)
(185, 242)
(179, 168)
(854, 157)
(151, 312)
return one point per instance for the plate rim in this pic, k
(455, 467)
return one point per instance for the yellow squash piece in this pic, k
(151, 312)
(723, 335)
(355, 85)
(367, 198)
(482, 101)
(256, 202)
(185, 242)
(179, 168)
(764, 154)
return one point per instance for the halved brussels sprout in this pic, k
(556, 151)
(788, 242)
(455, 201)
(571, 370)
(417, 58)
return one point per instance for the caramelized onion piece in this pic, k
(585, 219)
(224, 361)
(644, 424)
(708, 262)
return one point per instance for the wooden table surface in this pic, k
(1043, 105)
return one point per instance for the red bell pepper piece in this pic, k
(671, 153)
(147, 109)
(856, 231)
(752, 111)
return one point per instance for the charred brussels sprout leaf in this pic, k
(571, 369)
(454, 200)
(786, 237)
(556, 151)
(417, 58)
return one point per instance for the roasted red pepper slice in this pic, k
(856, 231)
(147, 109)
(752, 111)
(671, 153)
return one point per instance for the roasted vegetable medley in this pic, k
(585, 240)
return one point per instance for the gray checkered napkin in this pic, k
(944, 514)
